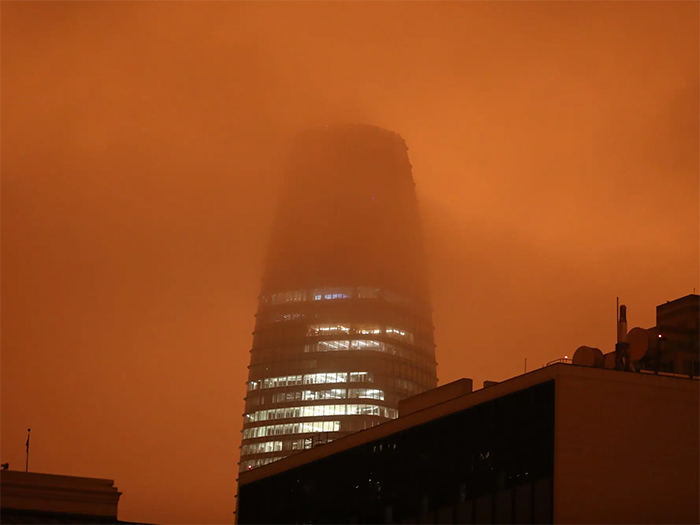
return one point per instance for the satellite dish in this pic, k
(609, 360)
(638, 339)
(599, 358)
(586, 356)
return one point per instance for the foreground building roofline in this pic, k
(457, 404)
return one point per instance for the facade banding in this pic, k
(344, 326)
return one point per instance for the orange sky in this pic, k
(555, 151)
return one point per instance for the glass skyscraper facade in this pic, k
(344, 326)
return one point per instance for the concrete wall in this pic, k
(435, 396)
(626, 448)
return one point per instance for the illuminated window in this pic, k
(361, 377)
(308, 379)
(322, 294)
(320, 410)
(274, 382)
(369, 329)
(329, 346)
(286, 396)
(366, 410)
(328, 329)
(327, 377)
(261, 448)
(291, 428)
(366, 393)
(287, 317)
(317, 395)
(366, 344)
(339, 345)
(287, 297)
(399, 334)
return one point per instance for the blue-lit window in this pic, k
(321, 294)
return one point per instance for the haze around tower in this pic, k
(555, 152)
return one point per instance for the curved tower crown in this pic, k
(344, 327)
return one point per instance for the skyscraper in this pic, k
(344, 326)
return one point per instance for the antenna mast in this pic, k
(26, 468)
(622, 355)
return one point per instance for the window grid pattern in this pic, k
(261, 448)
(327, 329)
(334, 393)
(325, 294)
(313, 335)
(322, 410)
(265, 447)
(341, 345)
(255, 463)
(291, 428)
(310, 379)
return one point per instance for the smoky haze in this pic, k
(555, 154)
(348, 215)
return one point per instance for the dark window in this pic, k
(491, 463)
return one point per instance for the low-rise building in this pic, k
(561, 444)
(31, 497)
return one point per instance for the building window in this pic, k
(397, 333)
(287, 317)
(324, 294)
(325, 377)
(287, 297)
(291, 428)
(261, 448)
(317, 395)
(366, 393)
(369, 330)
(320, 410)
(328, 329)
(329, 346)
(361, 377)
(339, 345)
(254, 463)
(308, 379)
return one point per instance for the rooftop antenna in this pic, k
(26, 468)
(622, 361)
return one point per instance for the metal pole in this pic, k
(26, 467)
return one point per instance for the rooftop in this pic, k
(455, 397)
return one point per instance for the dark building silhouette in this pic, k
(561, 444)
(677, 336)
(344, 327)
(33, 497)
(672, 346)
